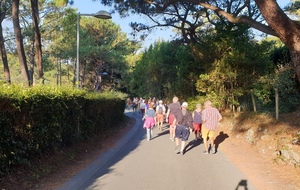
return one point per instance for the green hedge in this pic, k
(42, 118)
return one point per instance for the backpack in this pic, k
(187, 120)
(160, 110)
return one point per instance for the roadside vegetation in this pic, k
(214, 55)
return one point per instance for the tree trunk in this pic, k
(82, 73)
(37, 38)
(30, 54)
(253, 101)
(286, 29)
(19, 41)
(4, 55)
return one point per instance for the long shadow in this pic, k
(164, 131)
(192, 144)
(103, 164)
(242, 184)
(220, 138)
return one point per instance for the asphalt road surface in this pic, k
(138, 164)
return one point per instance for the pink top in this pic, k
(149, 122)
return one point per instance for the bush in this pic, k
(42, 118)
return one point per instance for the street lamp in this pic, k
(100, 15)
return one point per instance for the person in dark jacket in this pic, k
(183, 129)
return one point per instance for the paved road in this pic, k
(138, 164)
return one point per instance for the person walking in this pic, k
(134, 104)
(160, 112)
(210, 118)
(128, 103)
(183, 129)
(140, 105)
(149, 122)
(174, 111)
(143, 107)
(197, 121)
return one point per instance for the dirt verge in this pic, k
(255, 159)
(54, 169)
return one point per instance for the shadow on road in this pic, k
(220, 138)
(242, 185)
(103, 165)
(192, 144)
(161, 133)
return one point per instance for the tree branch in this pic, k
(240, 20)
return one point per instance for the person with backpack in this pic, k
(160, 112)
(183, 129)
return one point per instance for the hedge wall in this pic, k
(37, 119)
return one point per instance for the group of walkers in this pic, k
(203, 123)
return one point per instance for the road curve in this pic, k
(137, 164)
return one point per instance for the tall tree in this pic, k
(286, 29)
(19, 41)
(37, 38)
(5, 6)
(277, 22)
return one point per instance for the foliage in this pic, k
(284, 81)
(103, 47)
(164, 70)
(238, 62)
(43, 118)
(190, 18)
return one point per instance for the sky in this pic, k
(89, 7)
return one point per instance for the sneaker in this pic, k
(205, 152)
(177, 150)
(182, 153)
(213, 150)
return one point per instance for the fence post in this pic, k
(276, 103)
(253, 101)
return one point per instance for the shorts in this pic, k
(197, 127)
(182, 132)
(160, 117)
(207, 133)
(171, 119)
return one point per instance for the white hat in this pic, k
(184, 104)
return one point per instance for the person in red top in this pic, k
(210, 118)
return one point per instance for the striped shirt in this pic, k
(210, 118)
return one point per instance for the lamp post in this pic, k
(100, 15)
